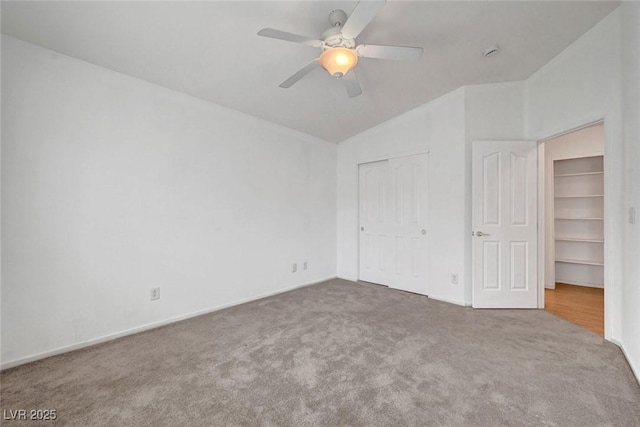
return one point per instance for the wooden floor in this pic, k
(578, 304)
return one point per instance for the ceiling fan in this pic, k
(339, 50)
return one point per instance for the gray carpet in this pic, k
(339, 353)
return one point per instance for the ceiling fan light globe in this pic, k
(338, 61)
(342, 59)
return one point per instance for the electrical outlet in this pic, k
(304, 266)
(294, 268)
(454, 279)
(155, 294)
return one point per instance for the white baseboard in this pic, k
(586, 285)
(635, 369)
(148, 326)
(450, 301)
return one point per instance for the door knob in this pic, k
(423, 231)
(361, 228)
(480, 234)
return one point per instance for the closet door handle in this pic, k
(480, 234)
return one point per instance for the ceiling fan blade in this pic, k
(300, 74)
(396, 53)
(364, 13)
(290, 37)
(351, 84)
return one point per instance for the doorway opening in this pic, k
(574, 226)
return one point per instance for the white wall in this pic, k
(578, 86)
(630, 13)
(494, 111)
(581, 85)
(581, 143)
(112, 186)
(437, 127)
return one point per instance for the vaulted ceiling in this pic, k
(210, 50)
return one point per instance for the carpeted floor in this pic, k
(339, 353)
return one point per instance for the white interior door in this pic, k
(393, 221)
(504, 224)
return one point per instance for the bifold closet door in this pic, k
(393, 223)
(375, 223)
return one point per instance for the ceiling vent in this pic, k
(491, 50)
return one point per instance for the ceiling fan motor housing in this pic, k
(332, 37)
(337, 18)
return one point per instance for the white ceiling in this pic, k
(211, 50)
